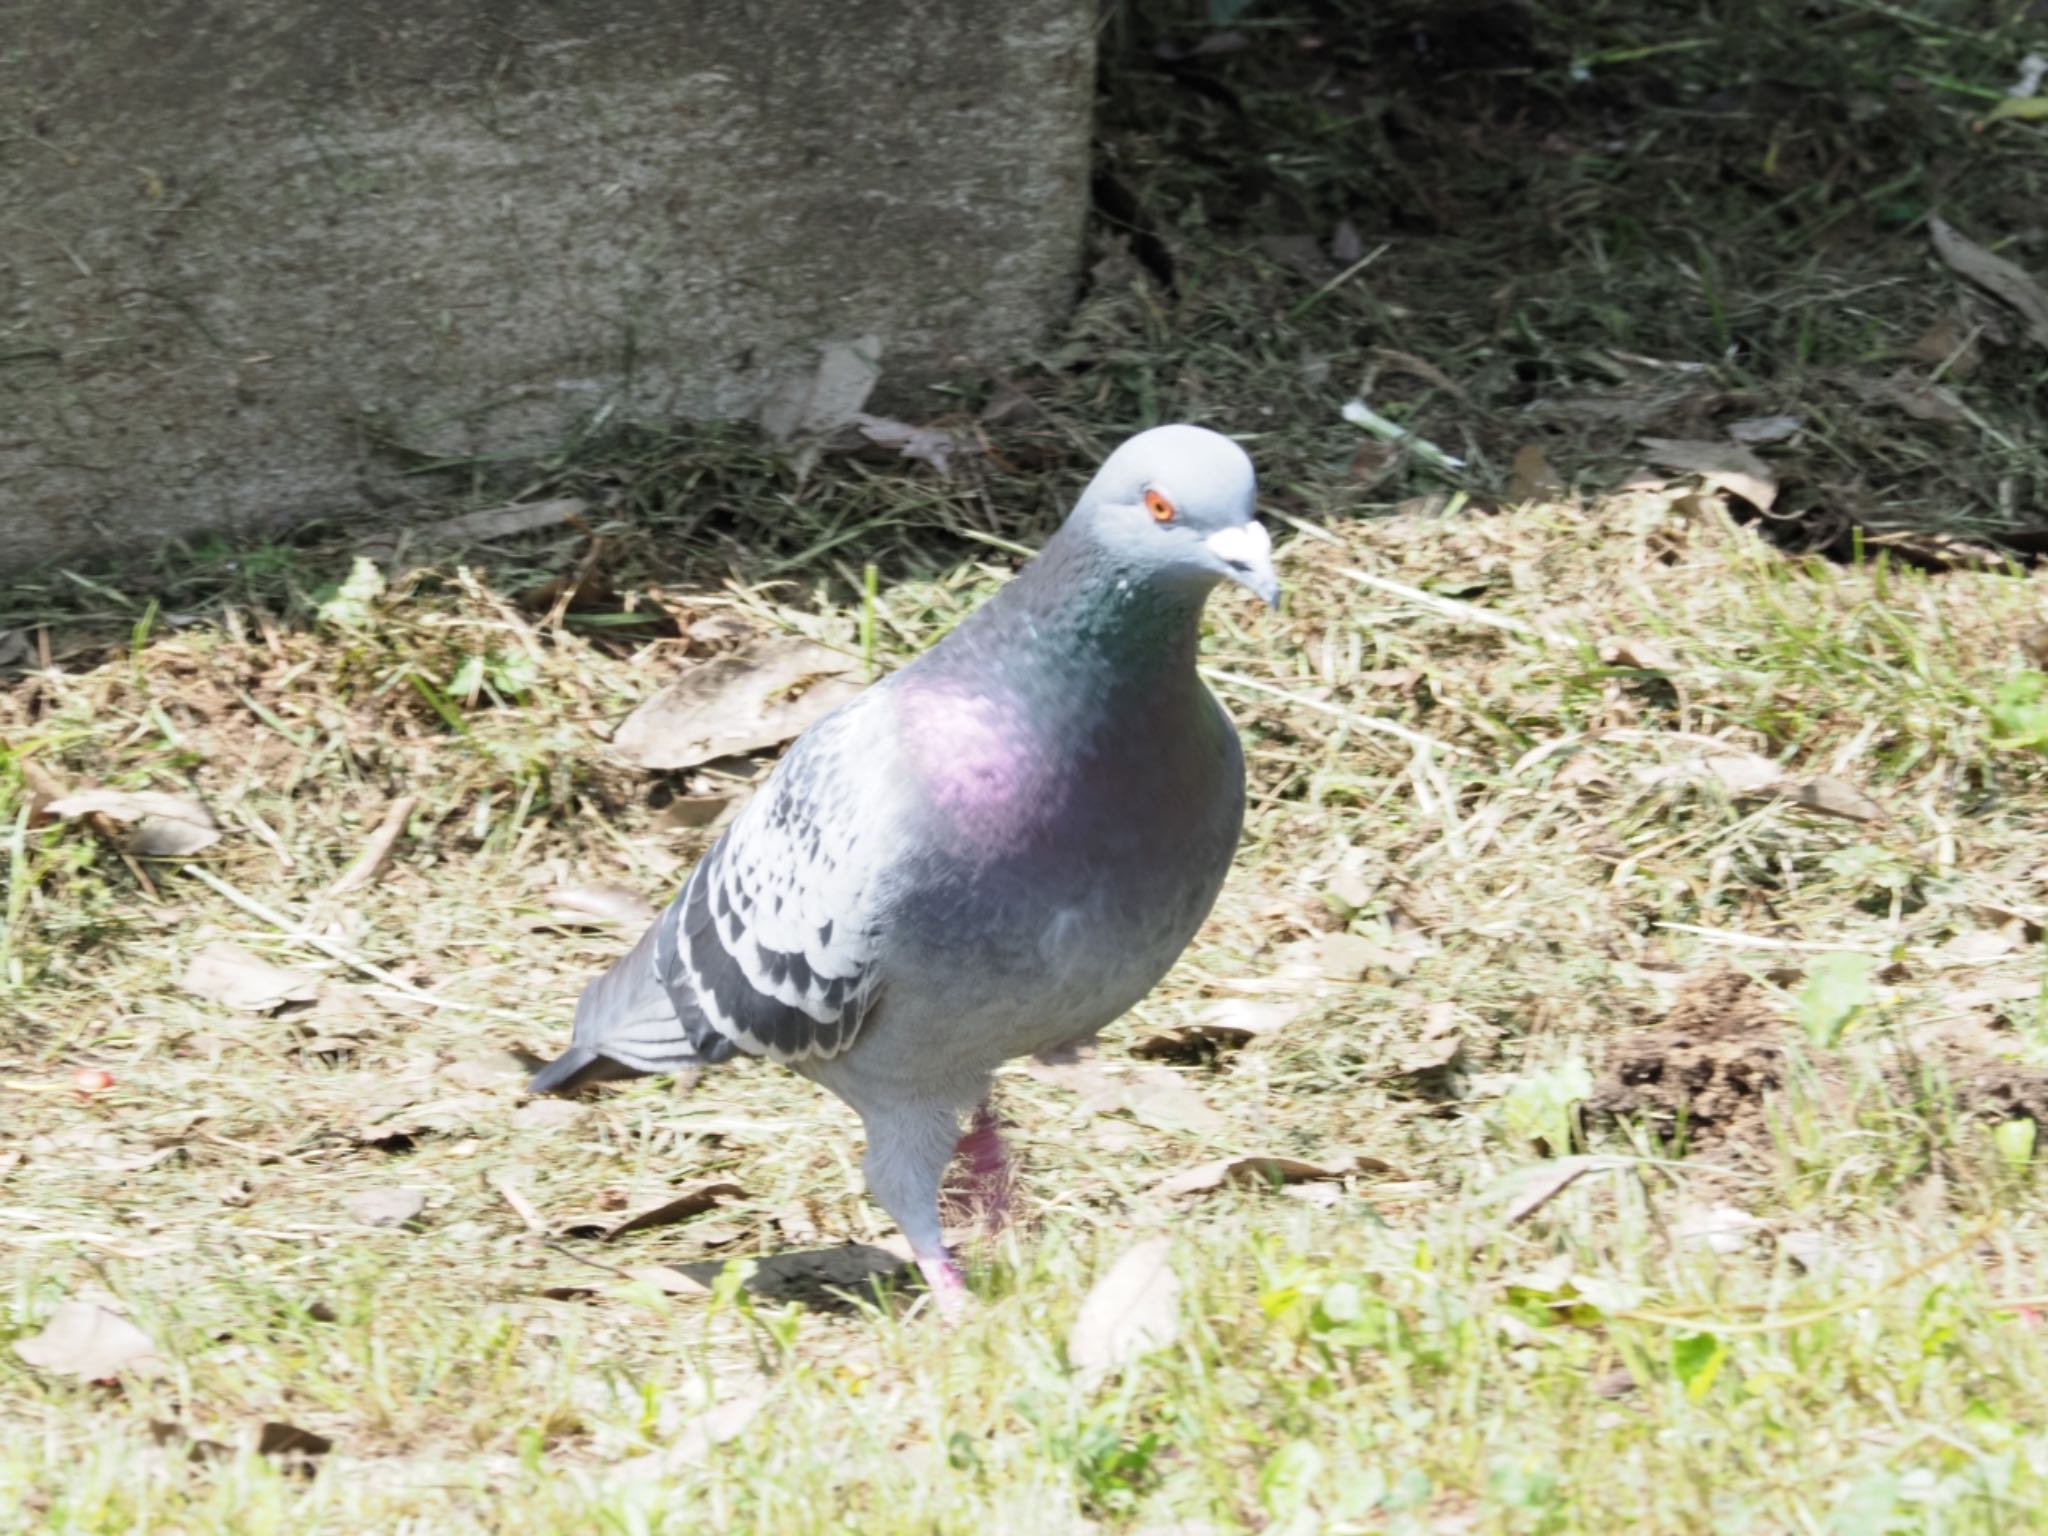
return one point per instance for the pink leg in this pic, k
(948, 1287)
(990, 1174)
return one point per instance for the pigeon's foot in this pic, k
(948, 1286)
(991, 1174)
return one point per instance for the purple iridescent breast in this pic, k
(985, 773)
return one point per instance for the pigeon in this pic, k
(991, 853)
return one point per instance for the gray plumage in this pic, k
(993, 852)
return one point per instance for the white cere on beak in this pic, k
(1248, 550)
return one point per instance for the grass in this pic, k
(1822, 1317)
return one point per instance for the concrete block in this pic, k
(257, 257)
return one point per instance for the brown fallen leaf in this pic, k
(1635, 652)
(369, 864)
(1724, 466)
(547, 1114)
(1351, 888)
(1746, 776)
(927, 445)
(687, 811)
(721, 1422)
(492, 1070)
(1979, 945)
(1948, 346)
(1346, 956)
(1906, 391)
(751, 699)
(503, 522)
(694, 1201)
(1261, 1170)
(157, 825)
(1755, 431)
(280, 1439)
(1532, 475)
(228, 974)
(1739, 773)
(1155, 1096)
(386, 1125)
(1439, 1045)
(2002, 279)
(1836, 797)
(169, 1434)
(795, 1222)
(91, 1342)
(598, 906)
(668, 1280)
(386, 1207)
(1353, 957)
(1226, 1021)
(1131, 1311)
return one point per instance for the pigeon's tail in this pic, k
(576, 1068)
(628, 1025)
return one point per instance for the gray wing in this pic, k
(770, 946)
(775, 934)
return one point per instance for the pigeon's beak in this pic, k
(1247, 551)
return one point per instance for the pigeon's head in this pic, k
(1177, 502)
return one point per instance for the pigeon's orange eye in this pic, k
(1160, 508)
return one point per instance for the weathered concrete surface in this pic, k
(247, 246)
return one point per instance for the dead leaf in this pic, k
(2003, 280)
(1723, 466)
(1906, 391)
(1949, 347)
(745, 701)
(928, 445)
(1156, 1096)
(1440, 1044)
(1353, 956)
(667, 1279)
(599, 906)
(1131, 1311)
(1637, 653)
(503, 522)
(1758, 430)
(228, 974)
(1375, 461)
(89, 1341)
(386, 1207)
(1162, 1098)
(1977, 946)
(1739, 773)
(1260, 1170)
(160, 826)
(721, 1422)
(796, 1224)
(694, 1201)
(1836, 797)
(484, 1073)
(383, 1126)
(280, 1439)
(547, 1114)
(1722, 1229)
(826, 397)
(1532, 475)
(1746, 776)
(1227, 1021)
(1548, 1179)
(369, 864)
(167, 1433)
(1351, 888)
(687, 811)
